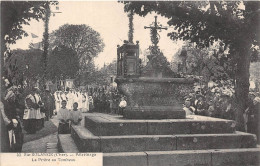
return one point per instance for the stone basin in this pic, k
(154, 98)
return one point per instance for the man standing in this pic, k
(47, 100)
(32, 115)
(41, 105)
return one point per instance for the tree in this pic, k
(131, 26)
(25, 65)
(62, 63)
(93, 76)
(14, 15)
(22, 67)
(204, 22)
(82, 39)
(45, 41)
(211, 62)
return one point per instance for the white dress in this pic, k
(57, 101)
(70, 100)
(31, 113)
(79, 101)
(188, 111)
(85, 103)
(63, 97)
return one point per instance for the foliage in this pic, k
(62, 63)
(93, 76)
(16, 14)
(23, 65)
(211, 63)
(45, 41)
(156, 58)
(85, 41)
(131, 26)
(204, 22)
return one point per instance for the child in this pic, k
(63, 116)
(189, 110)
(122, 106)
(75, 115)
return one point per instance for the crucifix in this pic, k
(153, 30)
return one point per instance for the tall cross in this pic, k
(154, 28)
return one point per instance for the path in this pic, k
(43, 139)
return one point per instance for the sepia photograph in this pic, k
(130, 83)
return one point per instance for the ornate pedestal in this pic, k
(154, 98)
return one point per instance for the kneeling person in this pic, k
(75, 115)
(63, 116)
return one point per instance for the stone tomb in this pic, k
(150, 95)
(154, 130)
(196, 140)
(154, 98)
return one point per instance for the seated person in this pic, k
(122, 106)
(189, 110)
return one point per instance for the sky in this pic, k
(109, 19)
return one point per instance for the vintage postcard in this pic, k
(130, 83)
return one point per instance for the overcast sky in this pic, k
(107, 18)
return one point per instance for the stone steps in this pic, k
(107, 125)
(154, 112)
(194, 141)
(88, 142)
(214, 157)
(66, 144)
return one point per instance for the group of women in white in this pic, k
(71, 97)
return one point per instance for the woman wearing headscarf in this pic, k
(12, 120)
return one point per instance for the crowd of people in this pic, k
(70, 105)
(99, 99)
(106, 100)
(71, 96)
(217, 100)
(30, 111)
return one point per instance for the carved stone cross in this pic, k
(154, 28)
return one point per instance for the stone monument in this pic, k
(153, 92)
(140, 139)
